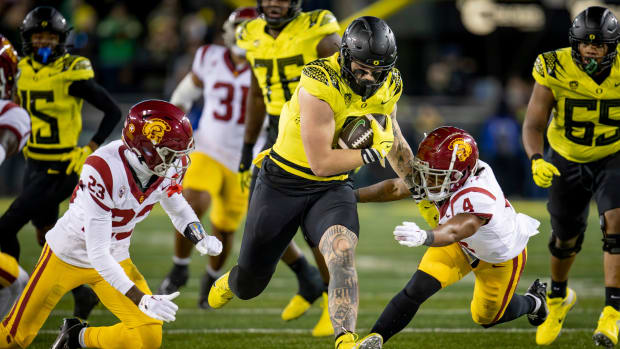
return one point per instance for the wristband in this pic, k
(370, 155)
(536, 157)
(194, 232)
(430, 238)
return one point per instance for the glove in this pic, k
(409, 234)
(245, 165)
(382, 139)
(159, 307)
(429, 212)
(209, 245)
(543, 172)
(77, 158)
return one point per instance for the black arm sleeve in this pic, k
(98, 97)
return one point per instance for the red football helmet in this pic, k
(230, 26)
(160, 134)
(8, 68)
(446, 158)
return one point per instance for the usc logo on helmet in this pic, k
(463, 148)
(154, 129)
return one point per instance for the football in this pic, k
(357, 134)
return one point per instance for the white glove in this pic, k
(209, 245)
(159, 307)
(409, 234)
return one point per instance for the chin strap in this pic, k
(591, 67)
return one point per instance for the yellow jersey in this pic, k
(586, 117)
(277, 62)
(56, 116)
(322, 79)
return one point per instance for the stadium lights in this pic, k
(481, 17)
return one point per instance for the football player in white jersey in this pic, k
(478, 231)
(14, 131)
(221, 75)
(118, 186)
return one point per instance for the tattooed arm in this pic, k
(338, 248)
(401, 156)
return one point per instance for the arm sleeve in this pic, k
(538, 72)
(96, 95)
(179, 211)
(96, 203)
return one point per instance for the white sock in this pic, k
(214, 273)
(82, 331)
(181, 261)
(2, 154)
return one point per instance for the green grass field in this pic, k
(383, 267)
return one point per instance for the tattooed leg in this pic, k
(338, 247)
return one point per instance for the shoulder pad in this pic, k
(552, 63)
(396, 81)
(320, 70)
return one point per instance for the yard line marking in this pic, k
(306, 331)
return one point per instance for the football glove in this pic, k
(209, 245)
(429, 212)
(543, 172)
(382, 138)
(159, 307)
(410, 235)
(77, 158)
(245, 166)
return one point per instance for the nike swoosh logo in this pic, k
(359, 123)
(383, 102)
(497, 266)
(617, 84)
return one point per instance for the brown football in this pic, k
(357, 134)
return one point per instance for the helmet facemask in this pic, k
(171, 158)
(363, 87)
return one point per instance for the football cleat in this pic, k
(295, 308)
(69, 336)
(372, 341)
(324, 326)
(538, 291)
(205, 285)
(85, 301)
(606, 333)
(346, 341)
(558, 308)
(220, 293)
(176, 278)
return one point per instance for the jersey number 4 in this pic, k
(588, 126)
(281, 63)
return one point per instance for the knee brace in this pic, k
(611, 242)
(565, 252)
(247, 285)
(150, 336)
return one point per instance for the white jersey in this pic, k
(221, 126)
(104, 209)
(15, 119)
(506, 232)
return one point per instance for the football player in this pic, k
(52, 87)
(14, 131)
(478, 231)
(118, 186)
(222, 75)
(309, 179)
(578, 85)
(277, 45)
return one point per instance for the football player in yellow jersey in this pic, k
(304, 180)
(51, 87)
(579, 86)
(277, 45)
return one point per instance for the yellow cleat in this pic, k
(324, 326)
(606, 333)
(558, 308)
(349, 341)
(295, 308)
(220, 293)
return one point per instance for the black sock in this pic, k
(403, 307)
(612, 297)
(519, 305)
(558, 289)
(308, 278)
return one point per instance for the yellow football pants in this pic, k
(9, 270)
(495, 282)
(53, 278)
(229, 202)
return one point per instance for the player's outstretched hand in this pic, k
(409, 234)
(209, 245)
(159, 307)
(543, 172)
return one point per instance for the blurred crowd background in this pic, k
(465, 63)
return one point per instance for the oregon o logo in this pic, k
(375, 62)
(592, 36)
(463, 150)
(154, 129)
